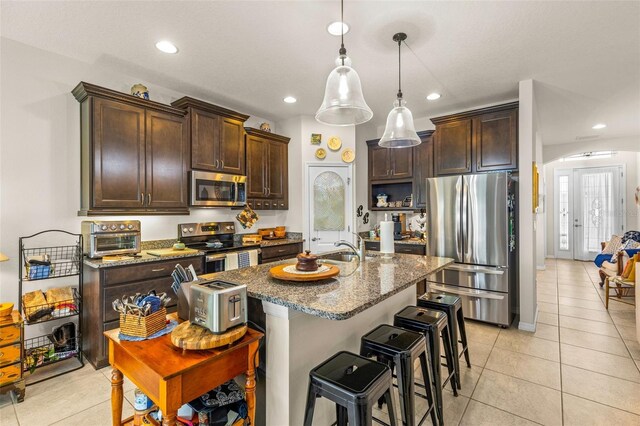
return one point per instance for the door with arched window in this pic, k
(329, 206)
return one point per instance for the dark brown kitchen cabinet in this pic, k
(217, 136)
(496, 141)
(422, 168)
(389, 163)
(101, 286)
(481, 140)
(281, 252)
(267, 170)
(133, 154)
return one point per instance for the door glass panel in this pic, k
(210, 190)
(328, 202)
(563, 211)
(598, 209)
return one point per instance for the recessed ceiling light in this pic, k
(336, 28)
(290, 100)
(599, 126)
(166, 47)
(433, 96)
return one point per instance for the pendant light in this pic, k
(400, 131)
(343, 103)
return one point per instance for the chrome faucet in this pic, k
(360, 252)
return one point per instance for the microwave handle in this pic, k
(235, 193)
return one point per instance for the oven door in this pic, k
(215, 263)
(116, 243)
(217, 189)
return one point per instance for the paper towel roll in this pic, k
(386, 237)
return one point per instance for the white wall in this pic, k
(628, 159)
(527, 154)
(40, 151)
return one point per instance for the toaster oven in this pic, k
(105, 238)
(218, 305)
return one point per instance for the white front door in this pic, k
(588, 209)
(329, 204)
(598, 206)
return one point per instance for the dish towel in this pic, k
(247, 258)
(231, 262)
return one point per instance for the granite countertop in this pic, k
(269, 243)
(358, 287)
(412, 241)
(145, 258)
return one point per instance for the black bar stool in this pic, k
(433, 324)
(354, 383)
(400, 348)
(452, 306)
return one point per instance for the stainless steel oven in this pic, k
(104, 238)
(217, 189)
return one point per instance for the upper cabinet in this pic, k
(217, 136)
(133, 154)
(267, 170)
(477, 141)
(389, 163)
(422, 168)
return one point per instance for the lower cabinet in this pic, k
(281, 252)
(101, 286)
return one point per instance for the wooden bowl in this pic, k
(280, 228)
(280, 234)
(6, 309)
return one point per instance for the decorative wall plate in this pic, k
(348, 155)
(334, 143)
(321, 153)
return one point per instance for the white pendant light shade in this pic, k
(343, 103)
(399, 131)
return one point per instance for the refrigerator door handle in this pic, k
(470, 293)
(476, 269)
(461, 216)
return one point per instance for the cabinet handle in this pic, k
(158, 269)
(216, 164)
(222, 164)
(282, 250)
(268, 191)
(149, 199)
(142, 198)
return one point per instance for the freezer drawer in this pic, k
(487, 306)
(477, 277)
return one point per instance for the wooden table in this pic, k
(172, 377)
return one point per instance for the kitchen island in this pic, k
(308, 322)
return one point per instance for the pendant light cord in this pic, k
(342, 51)
(399, 71)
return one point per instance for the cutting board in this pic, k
(193, 337)
(172, 252)
(279, 273)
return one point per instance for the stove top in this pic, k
(226, 246)
(197, 235)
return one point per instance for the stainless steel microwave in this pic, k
(217, 189)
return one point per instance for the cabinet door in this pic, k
(166, 142)
(118, 155)
(496, 141)
(379, 164)
(452, 148)
(422, 169)
(231, 146)
(277, 170)
(205, 132)
(256, 167)
(401, 160)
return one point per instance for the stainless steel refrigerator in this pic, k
(471, 218)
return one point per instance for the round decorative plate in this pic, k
(348, 155)
(278, 272)
(321, 153)
(334, 143)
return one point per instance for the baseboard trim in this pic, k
(525, 326)
(541, 268)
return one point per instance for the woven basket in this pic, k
(133, 325)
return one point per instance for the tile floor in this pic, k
(580, 367)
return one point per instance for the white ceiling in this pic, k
(585, 56)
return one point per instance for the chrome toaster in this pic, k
(218, 305)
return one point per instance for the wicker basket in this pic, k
(133, 325)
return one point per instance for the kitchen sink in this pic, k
(340, 257)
